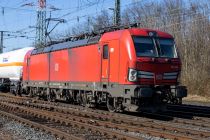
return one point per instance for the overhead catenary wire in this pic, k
(20, 9)
(87, 4)
(90, 14)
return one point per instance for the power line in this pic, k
(81, 8)
(15, 8)
(94, 13)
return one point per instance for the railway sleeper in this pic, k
(133, 129)
(80, 125)
(190, 132)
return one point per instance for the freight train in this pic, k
(133, 69)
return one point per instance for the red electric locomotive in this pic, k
(129, 69)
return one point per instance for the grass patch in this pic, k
(197, 98)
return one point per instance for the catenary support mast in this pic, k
(117, 18)
(1, 43)
(41, 24)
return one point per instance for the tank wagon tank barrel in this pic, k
(11, 64)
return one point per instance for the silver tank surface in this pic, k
(11, 63)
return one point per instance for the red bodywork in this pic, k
(86, 63)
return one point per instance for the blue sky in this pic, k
(15, 17)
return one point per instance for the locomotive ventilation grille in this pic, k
(151, 75)
(146, 75)
(170, 76)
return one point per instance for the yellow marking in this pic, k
(11, 64)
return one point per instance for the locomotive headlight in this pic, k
(132, 76)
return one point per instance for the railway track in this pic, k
(19, 118)
(59, 125)
(202, 111)
(118, 122)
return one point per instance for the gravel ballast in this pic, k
(11, 130)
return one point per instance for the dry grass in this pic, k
(197, 98)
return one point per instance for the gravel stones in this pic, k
(17, 131)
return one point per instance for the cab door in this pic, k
(105, 65)
(27, 69)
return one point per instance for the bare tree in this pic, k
(102, 20)
(189, 22)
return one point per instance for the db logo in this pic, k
(56, 66)
(159, 77)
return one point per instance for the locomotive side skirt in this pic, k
(115, 89)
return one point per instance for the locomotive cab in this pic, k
(156, 70)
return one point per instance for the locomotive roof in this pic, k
(66, 45)
(144, 32)
(95, 39)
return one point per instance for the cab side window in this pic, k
(105, 52)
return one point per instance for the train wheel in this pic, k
(111, 104)
(84, 100)
(51, 98)
(31, 92)
(69, 99)
(176, 101)
(180, 101)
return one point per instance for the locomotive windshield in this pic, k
(147, 47)
(167, 48)
(154, 47)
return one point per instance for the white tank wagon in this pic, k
(11, 64)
